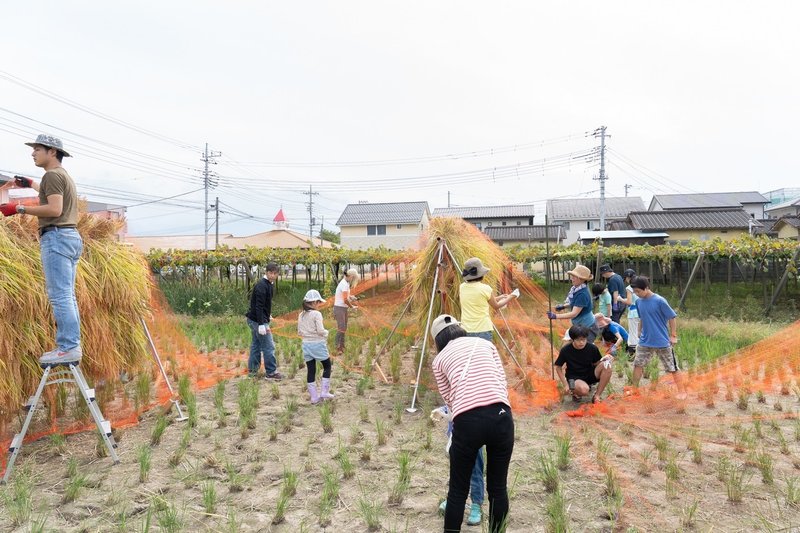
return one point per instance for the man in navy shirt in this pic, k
(658, 335)
(616, 286)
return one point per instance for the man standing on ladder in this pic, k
(60, 243)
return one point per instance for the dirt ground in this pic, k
(618, 437)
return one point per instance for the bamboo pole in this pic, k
(549, 298)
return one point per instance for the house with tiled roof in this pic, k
(684, 225)
(491, 216)
(393, 225)
(525, 235)
(751, 201)
(582, 214)
(788, 227)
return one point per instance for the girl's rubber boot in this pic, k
(474, 517)
(312, 391)
(326, 389)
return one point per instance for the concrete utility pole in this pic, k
(310, 207)
(321, 229)
(216, 222)
(628, 186)
(601, 132)
(209, 181)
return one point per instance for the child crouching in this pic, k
(315, 348)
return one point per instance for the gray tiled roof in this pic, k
(707, 200)
(692, 219)
(788, 220)
(489, 211)
(520, 233)
(589, 208)
(386, 213)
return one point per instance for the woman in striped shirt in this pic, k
(472, 382)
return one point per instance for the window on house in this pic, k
(519, 222)
(530, 221)
(565, 224)
(478, 225)
(376, 230)
(399, 226)
(504, 222)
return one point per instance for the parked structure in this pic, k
(484, 217)
(751, 201)
(580, 214)
(396, 226)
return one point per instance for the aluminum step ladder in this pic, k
(54, 375)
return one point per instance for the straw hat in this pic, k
(473, 269)
(50, 142)
(581, 272)
(442, 322)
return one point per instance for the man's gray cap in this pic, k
(50, 142)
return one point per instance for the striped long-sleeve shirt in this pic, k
(484, 383)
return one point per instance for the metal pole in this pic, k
(782, 282)
(691, 277)
(548, 275)
(413, 409)
(153, 350)
(216, 222)
(386, 342)
(205, 204)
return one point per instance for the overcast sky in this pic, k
(398, 101)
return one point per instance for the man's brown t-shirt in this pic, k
(57, 181)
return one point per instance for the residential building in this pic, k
(788, 208)
(280, 237)
(394, 225)
(751, 201)
(581, 214)
(788, 227)
(491, 216)
(525, 235)
(683, 225)
(780, 196)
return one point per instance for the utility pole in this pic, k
(310, 207)
(601, 132)
(216, 222)
(628, 186)
(448, 198)
(209, 180)
(321, 229)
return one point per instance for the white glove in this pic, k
(515, 293)
(262, 329)
(441, 413)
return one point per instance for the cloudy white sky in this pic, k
(398, 101)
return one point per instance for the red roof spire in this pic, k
(280, 216)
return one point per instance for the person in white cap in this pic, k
(60, 243)
(472, 382)
(312, 331)
(342, 302)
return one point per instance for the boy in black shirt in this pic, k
(585, 365)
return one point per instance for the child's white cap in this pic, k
(313, 296)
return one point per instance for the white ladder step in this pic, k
(106, 427)
(16, 442)
(29, 403)
(90, 394)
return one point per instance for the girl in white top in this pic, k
(342, 301)
(312, 331)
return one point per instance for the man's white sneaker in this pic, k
(57, 357)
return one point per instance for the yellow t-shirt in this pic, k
(475, 307)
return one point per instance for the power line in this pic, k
(419, 159)
(80, 107)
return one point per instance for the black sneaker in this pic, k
(277, 376)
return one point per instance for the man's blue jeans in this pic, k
(485, 335)
(60, 250)
(261, 344)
